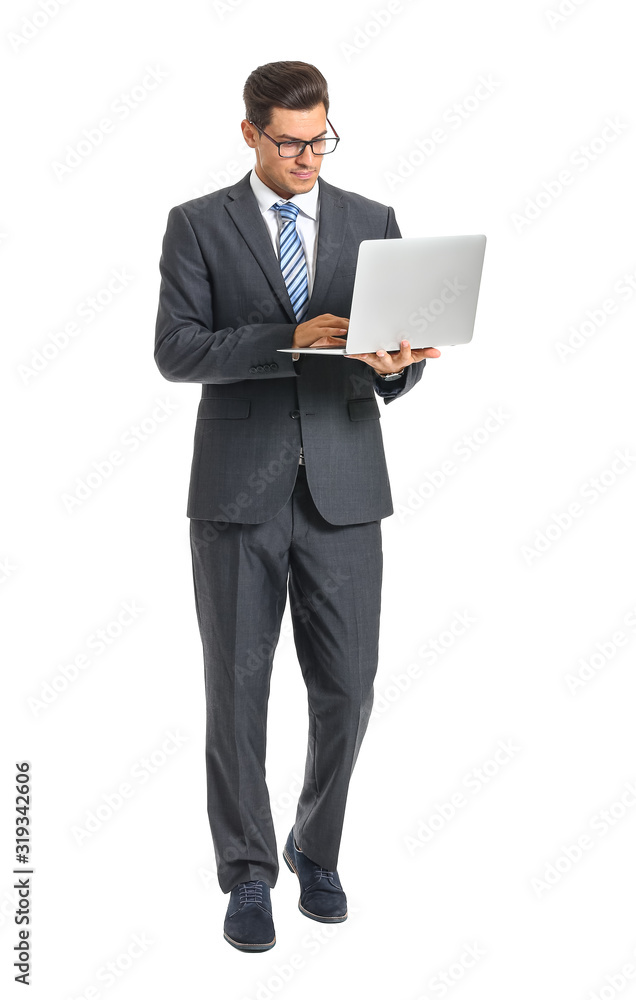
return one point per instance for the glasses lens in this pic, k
(319, 146)
(290, 148)
(322, 146)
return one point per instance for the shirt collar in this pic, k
(307, 201)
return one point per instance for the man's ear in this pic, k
(250, 134)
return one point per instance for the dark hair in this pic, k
(297, 86)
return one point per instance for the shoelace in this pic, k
(322, 872)
(250, 892)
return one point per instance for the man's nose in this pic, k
(307, 158)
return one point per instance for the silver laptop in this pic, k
(422, 289)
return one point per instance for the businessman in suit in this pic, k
(288, 485)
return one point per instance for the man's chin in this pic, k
(296, 185)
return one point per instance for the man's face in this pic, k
(293, 175)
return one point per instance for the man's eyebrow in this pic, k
(294, 138)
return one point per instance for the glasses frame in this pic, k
(302, 142)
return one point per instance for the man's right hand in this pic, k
(321, 331)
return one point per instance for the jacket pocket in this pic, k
(223, 407)
(365, 408)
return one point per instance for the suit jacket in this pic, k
(223, 312)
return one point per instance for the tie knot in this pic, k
(287, 209)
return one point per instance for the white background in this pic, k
(426, 880)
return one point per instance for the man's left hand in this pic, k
(385, 362)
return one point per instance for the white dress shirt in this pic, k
(306, 223)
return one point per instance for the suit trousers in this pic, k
(241, 574)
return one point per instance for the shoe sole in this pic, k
(248, 947)
(307, 913)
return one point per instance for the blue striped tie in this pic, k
(292, 259)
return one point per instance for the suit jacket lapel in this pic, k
(243, 207)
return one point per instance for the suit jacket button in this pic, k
(273, 367)
(259, 368)
(266, 368)
(252, 371)
(295, 414)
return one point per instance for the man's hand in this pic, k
(321, 331)
(385, 362)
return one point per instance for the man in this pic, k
(289, 481)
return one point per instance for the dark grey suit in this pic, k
(260, 521)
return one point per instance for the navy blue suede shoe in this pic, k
(249, 925)
(321, 895)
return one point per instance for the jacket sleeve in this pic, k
(413, 373)
(187, 347)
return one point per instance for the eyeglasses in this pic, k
(319, 147)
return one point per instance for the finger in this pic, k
(386, 364)
(398, 356)
(323, 336)
(392, 361)
(340, 321)
(371, 359)
(327, 342)
(426, 352)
